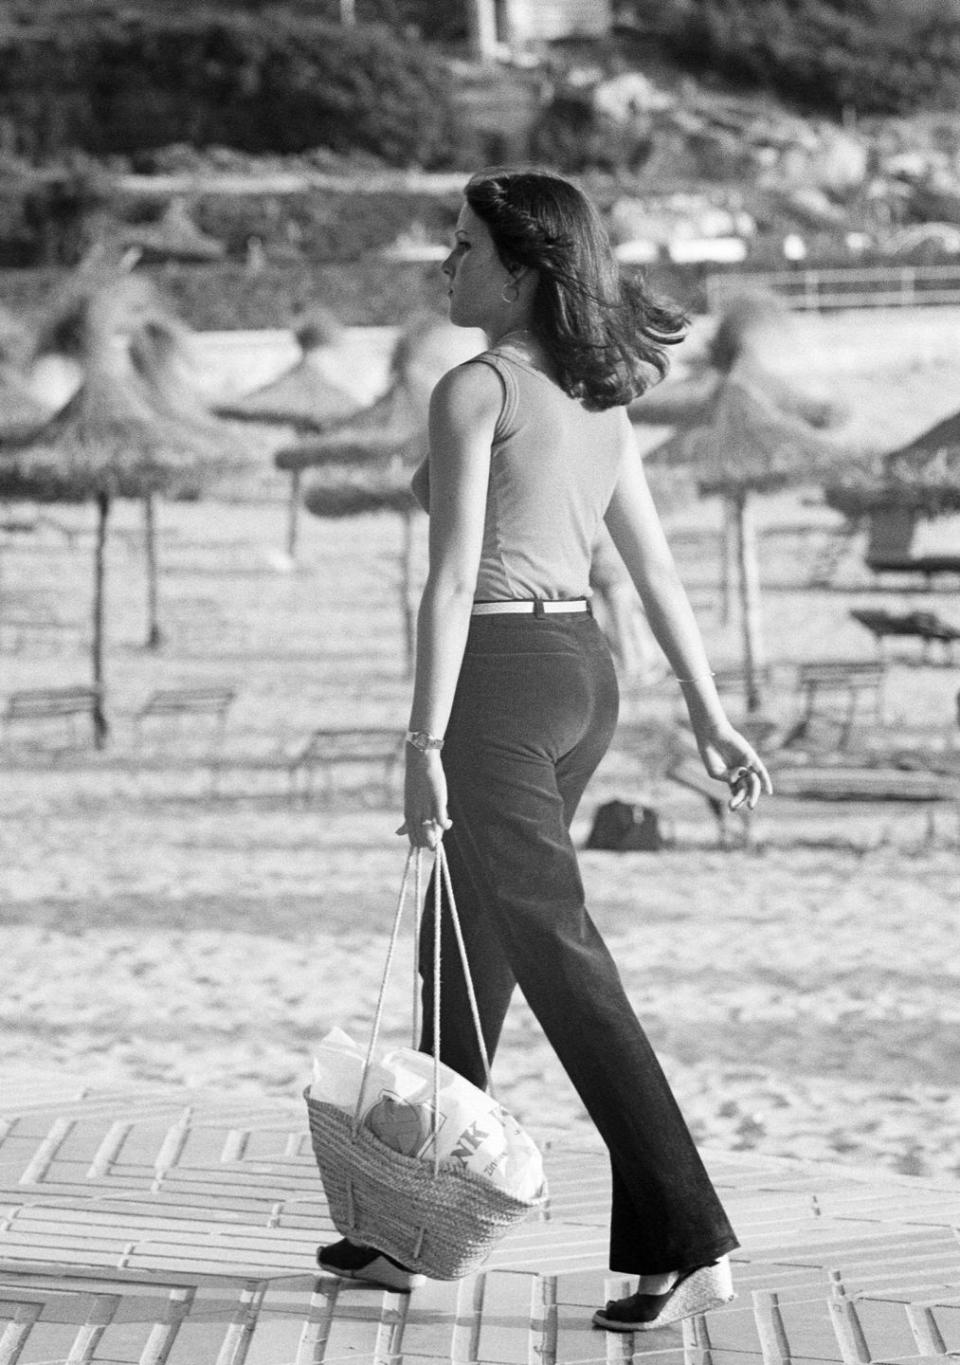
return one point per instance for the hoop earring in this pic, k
(510, 284)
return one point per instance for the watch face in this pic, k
(423, 741)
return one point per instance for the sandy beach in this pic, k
(803, 994)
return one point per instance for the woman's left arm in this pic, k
(463, 413)
(638, 534)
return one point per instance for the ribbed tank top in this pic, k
(553, 470)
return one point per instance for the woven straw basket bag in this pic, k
(440, 1220)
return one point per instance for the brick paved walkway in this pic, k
(144, 1228)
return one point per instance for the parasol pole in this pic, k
(293, 514)
(728, 558)
(749, 583)
(154, 633)
(100, 727)
(408, 605)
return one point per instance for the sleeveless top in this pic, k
(553, 470)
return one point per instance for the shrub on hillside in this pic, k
(572, 135)
(324, 225)
(873, 56)
(284, 84)
(441, 23)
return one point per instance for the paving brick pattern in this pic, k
(140, 1228)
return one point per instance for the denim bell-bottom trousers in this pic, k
(535, 710)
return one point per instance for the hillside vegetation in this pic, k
(106, 76)
(834, 120)
(869, 56)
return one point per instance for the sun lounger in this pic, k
(931, 566)
(923, 625)
(836, 690)
(823, 782)
(328, 750)
(166, 714)
(174, 704)
(40, 706)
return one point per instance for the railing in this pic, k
(889, 286)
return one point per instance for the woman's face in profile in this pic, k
(475, 276)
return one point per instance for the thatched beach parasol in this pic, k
(365, 463)
(173, 237)
(395, 424)
(757, 433)
(304, 396)
(120, 435)
(746, 326)
(100, 303)
(379, 482)
(20, 410)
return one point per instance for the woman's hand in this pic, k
(424, 799)
(732, 759)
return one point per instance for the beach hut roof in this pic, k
(933, 456)
(922, 476)
(934, 468)
(860, 496)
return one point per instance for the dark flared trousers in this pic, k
(535, 709)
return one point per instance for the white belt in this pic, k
(530, 608)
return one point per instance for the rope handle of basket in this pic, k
(441, 882)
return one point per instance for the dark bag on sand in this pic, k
(625, 828)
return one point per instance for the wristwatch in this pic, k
(423, 740)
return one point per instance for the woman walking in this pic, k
(515, 699)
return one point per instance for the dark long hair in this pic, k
(603, 330)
